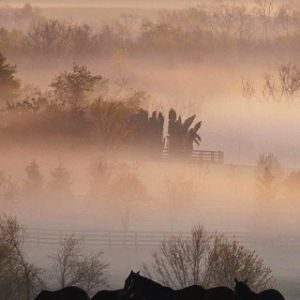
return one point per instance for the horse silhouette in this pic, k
(243, 292)
(67, 293)
(110, 295)
(142, 288)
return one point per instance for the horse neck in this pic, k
(148, 281)
(249, 296)
(151, 284)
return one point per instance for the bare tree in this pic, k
(247, 89)
(8, 192)
(279, 86)
(227, 260)
(180, 193)
(179, 262)
(208, 260)
(60, 183)
(48, 37)
(73, 268)
(245, 24)
(268, 172)
(99, 177)
(128, 191)
(33, 184)
(265, 11)
(73, 87)
(111, 127)
(222, 20)
(19, 279)
(235, 21)
(289, 81)
(284, 19)
(269, 91)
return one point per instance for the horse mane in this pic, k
(154, 283)
(249, 292)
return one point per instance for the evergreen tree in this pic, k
(268, 172)
(60, 183)
(9, 84)
(34, 179)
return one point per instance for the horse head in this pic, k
(139, 287)
(241, 289)
(132, 287)
(130, 280)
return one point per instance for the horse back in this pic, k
(219, 293)
(72, 293)
(109, 295)
(192, 292)
(67, 293)
(270, 294)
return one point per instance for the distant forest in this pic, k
(260, 28)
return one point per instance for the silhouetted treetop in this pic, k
(34, 179)
(73, 87)
(181, 135)
(9, 84)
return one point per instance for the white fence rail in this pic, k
(138, 239)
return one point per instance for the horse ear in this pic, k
(138, 273)
(236, 281)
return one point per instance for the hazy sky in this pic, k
(111, 3)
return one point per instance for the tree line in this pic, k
(88, 107)
(260, 26)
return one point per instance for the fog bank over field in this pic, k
(136, 118)
(204, 78)
(241, 128)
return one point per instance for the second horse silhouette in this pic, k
(243, 292)
(142, 288)
(67, 293)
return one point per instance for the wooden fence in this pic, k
(108, 239)
(198, 156)
(142, 239)
(216, 157)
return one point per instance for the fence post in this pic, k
(83, 239)
(136, 240)
(124, 237)
(60, 237)
(38, 238)
(109, 240)
(222, 157)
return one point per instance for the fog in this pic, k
(242, 129)
(83, 167)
